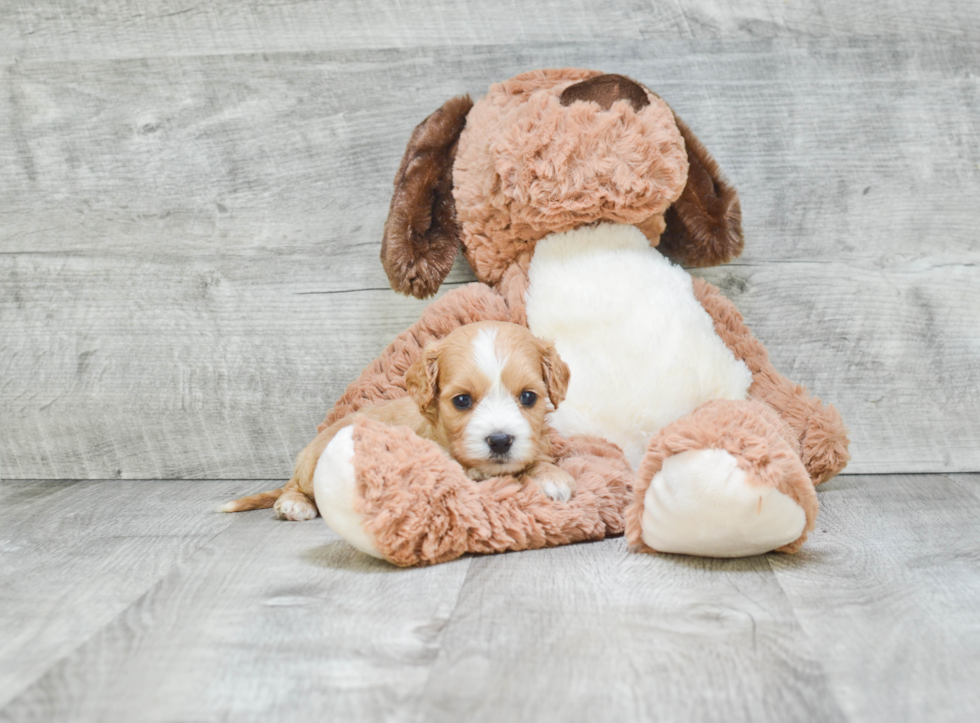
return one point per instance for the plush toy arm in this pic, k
(819, 428)
(384, 379)
(398, 497)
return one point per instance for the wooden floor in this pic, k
(131, 601)
(191, 203)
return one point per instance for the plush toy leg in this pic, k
(725, 481)
(817, 428)
(394, 495)
(335, 490)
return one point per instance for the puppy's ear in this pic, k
(704, 226)
(421, 234)
(422, 380)
(556, 373)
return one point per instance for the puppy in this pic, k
(481, 393)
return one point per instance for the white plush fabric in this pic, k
(700, 504)
(641, 349)
(333, 487)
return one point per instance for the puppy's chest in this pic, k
(642, 351)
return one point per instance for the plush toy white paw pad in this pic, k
(700, 503)
(334, 487)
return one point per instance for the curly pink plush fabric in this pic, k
(528, 166)
(421, 509)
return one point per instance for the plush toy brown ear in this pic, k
(704, 226)
(421, 235)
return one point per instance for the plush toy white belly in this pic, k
(641, 349)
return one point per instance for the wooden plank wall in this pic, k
(191, 202)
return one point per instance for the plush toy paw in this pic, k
(396, 496)
(702, 503)
(824, 444)
(726, 481)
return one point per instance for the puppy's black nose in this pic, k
(500, 443)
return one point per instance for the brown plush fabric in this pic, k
(752, 432)
(421, 235)
(421, 509)
(606, 90)
(528, 166)
(818, 430)
(652, 228)
(704, 226)
(513, 287)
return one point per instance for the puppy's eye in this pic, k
(528, 398)
(462, 401)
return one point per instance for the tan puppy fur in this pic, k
(481, 393)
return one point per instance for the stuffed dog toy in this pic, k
(570, 192)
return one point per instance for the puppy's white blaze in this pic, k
(497, 412)
(485, 355)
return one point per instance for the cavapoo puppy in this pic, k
(481, 393)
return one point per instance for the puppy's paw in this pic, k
(556, 483)
(295, 506)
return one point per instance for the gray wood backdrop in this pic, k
(192, 196)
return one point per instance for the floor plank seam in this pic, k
(16, 62)
(806, 634)
(109, 623)
(972, 489)
(417, 713)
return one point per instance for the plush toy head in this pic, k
(544, 152)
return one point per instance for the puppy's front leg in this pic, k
(555, 482)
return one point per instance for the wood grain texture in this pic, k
(855, 149)
(590, 632)
(32, 30)
(875, 620)
(233, 389)
(269, 621)
(74, 556)
(188, 261)
(895, 351)
(886, 590)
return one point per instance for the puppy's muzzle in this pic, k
(500, 444)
